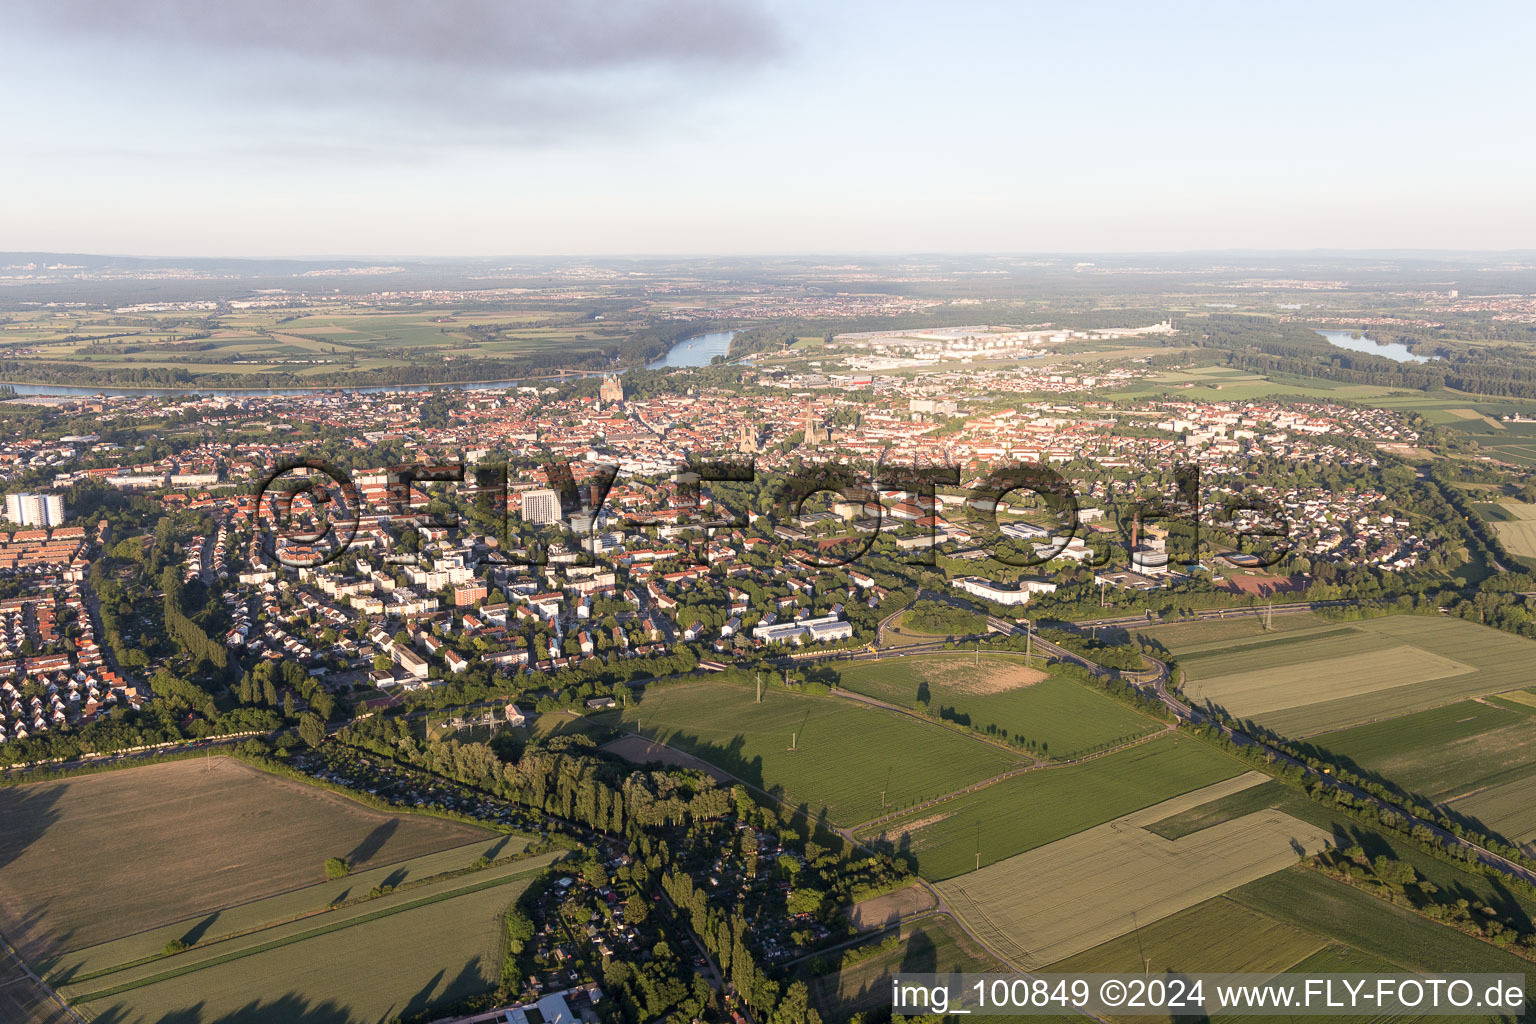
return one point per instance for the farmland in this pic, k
(1440, 753)
(1331, 676)
(931, 945)
(1041, 906)
(845, 753)
(1217, 935)
(23, 1002)
(1044, 805)
(1400, 937)
(1516, 527)
(328, 338)
(1507, 809)
(370, 970)
(195, 837)
(1055, 716)
(295, 906)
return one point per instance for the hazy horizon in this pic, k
(472, 128)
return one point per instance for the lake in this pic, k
(1392, 350)
(698, 350)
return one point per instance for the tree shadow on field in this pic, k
(730, 757)
(289, 1009)
(27, 813)
(423, 998)
(921, 956)
(200, 929)
(373, 843)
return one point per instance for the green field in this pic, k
(1332, 676)
(1217, 935)
(1041, 806)
(1507, 809)
(1234, 805)
(1312, 901)
(846, 753)
(1445, 751)
(1057, 717)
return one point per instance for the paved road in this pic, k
(57, 1008)
(136, 755)
(1149, 619)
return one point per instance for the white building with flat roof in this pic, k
(34, 509)
(541, 506)
(978, 587)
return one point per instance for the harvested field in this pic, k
(896, 833)
(1078, 892)
(1333, 676)
(395, 966)
(883, 911)
(1519, 536)
(1254, 693)
(298, 910)
(22, 1001)
(193, 836)
(987, 679)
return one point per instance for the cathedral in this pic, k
(815, 433)
(612, 390)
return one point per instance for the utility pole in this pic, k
(1029, 643)
(794, 739)
(759, 677)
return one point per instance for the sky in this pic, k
(482, 128)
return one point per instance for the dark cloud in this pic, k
(496, 35)
(494, 68)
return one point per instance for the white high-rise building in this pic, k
(34, 509)
(541, 506)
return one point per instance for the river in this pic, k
(1392, 350)
(698, 350)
